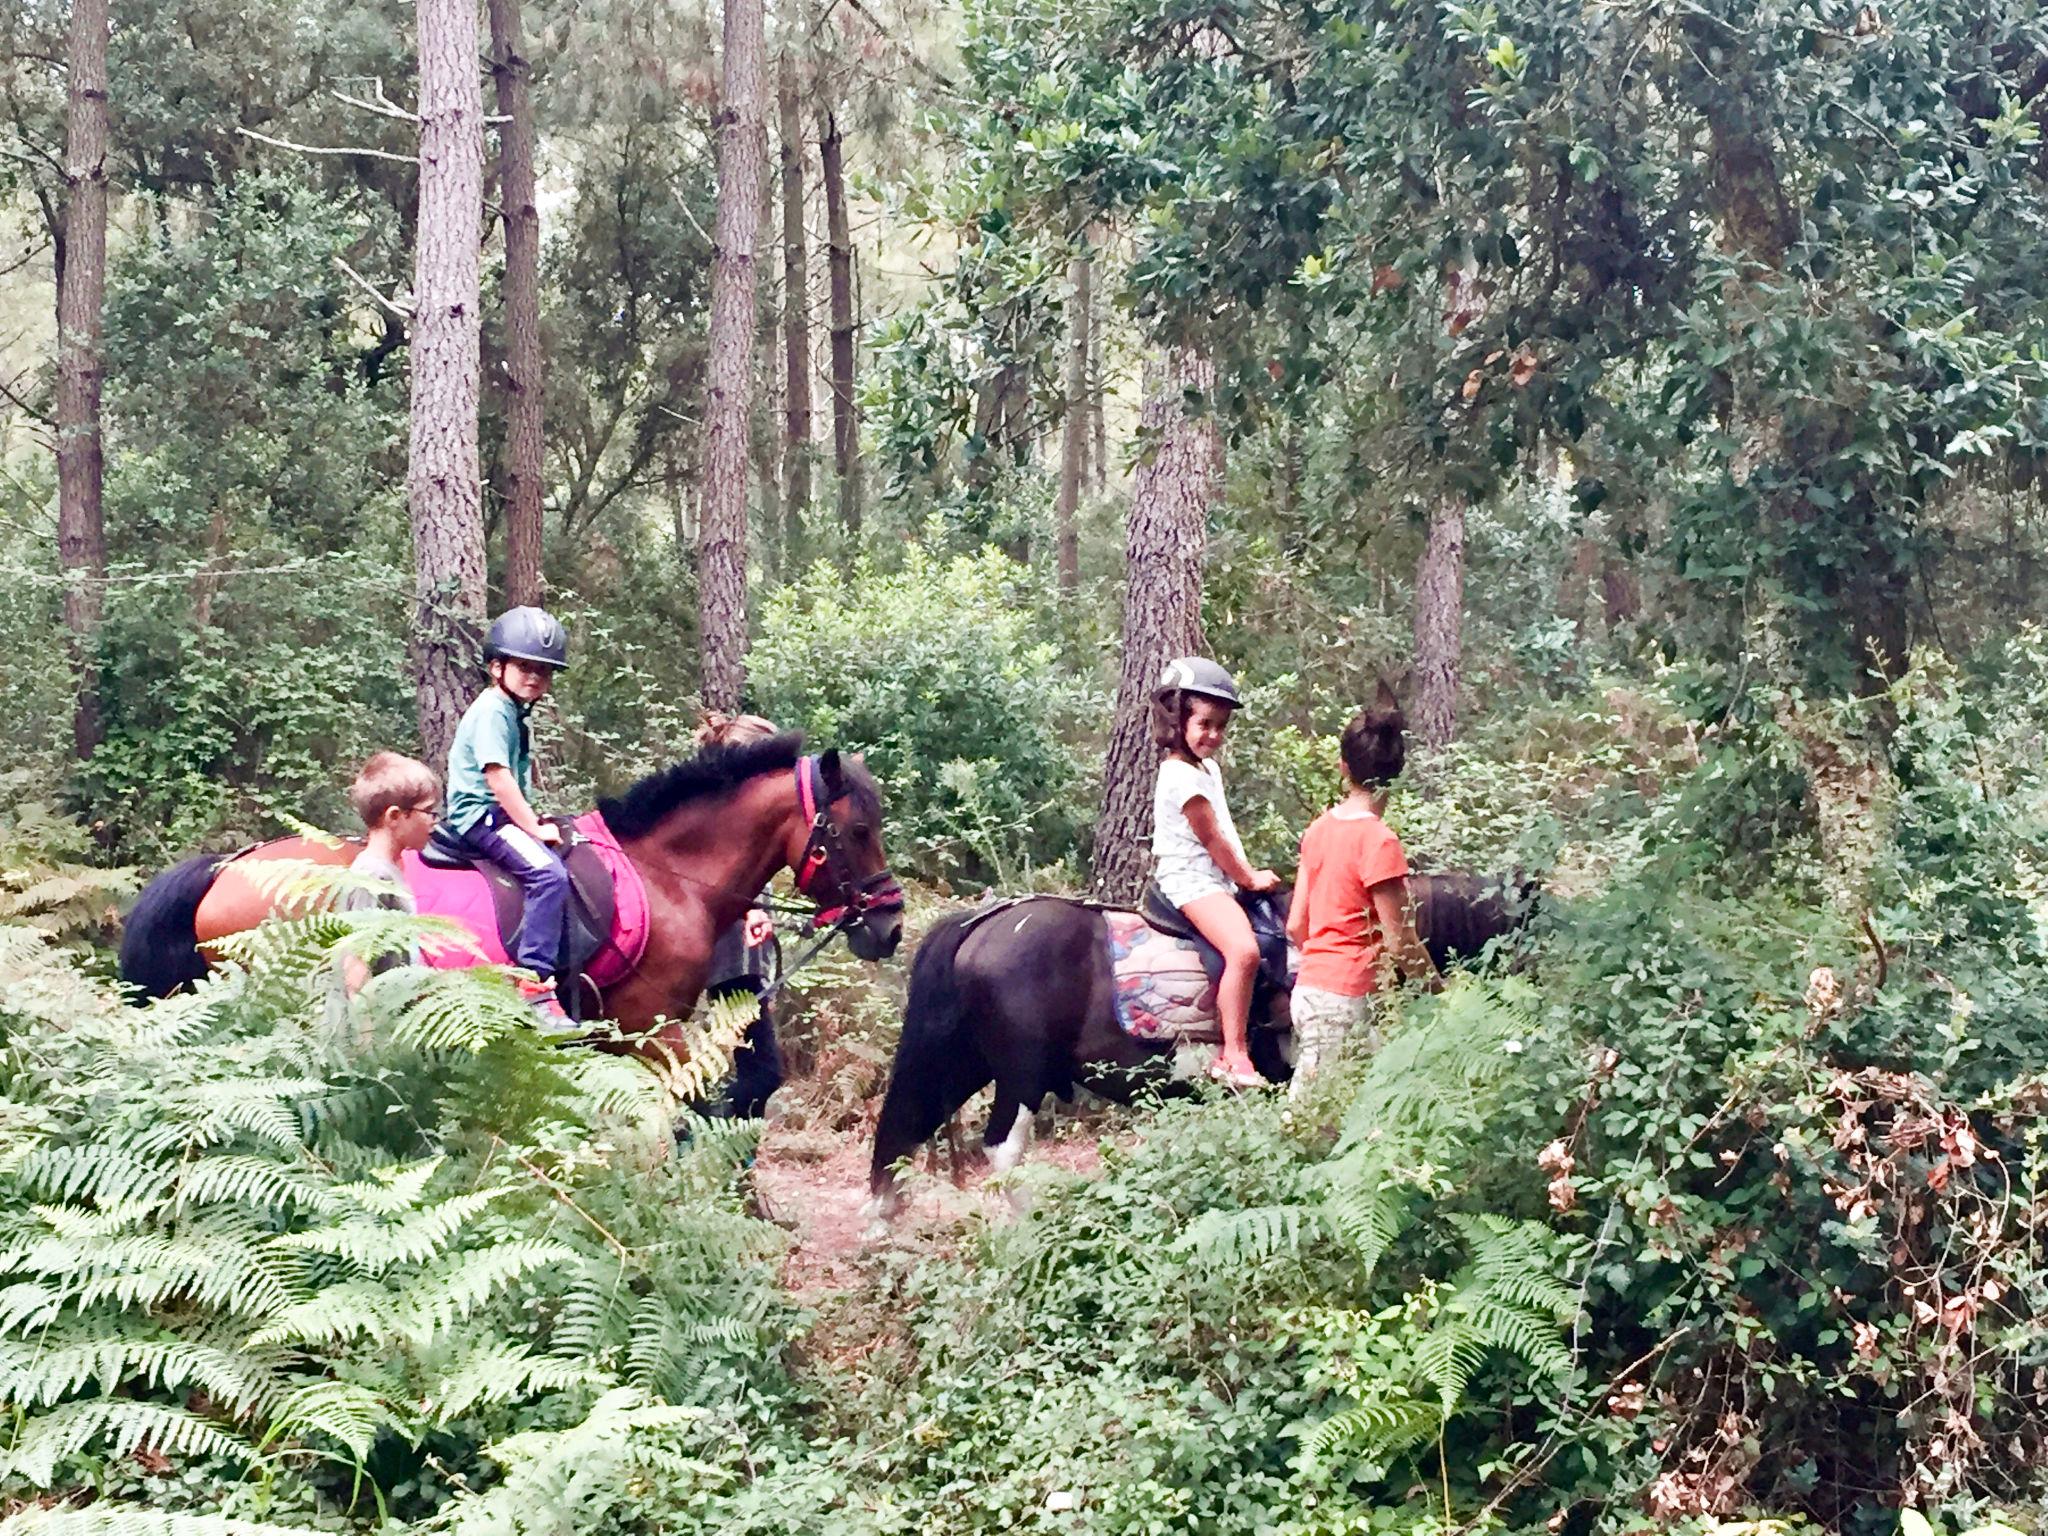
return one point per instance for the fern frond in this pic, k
(1366, 1210)
(500, 1371)
(338, 1314)
(1246, 1239)
(103, 1175)
(110, 1519)
(44, 1372)
(456, 1286)
(1376, 1429)
(390, 1190)
(123, 1425)
(376, 1246)
(1530, 1337)
(341, 1411)
(447, 1010)
(1446, 1358)
(232, 1179)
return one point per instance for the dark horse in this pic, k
(1026, 999)
(704, 836)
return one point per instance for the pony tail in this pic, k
(159, 951)
(934, 1058)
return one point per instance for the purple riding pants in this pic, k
(542, 878)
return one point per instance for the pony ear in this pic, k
(835, 775)
(1384, 699)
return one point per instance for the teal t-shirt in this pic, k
(493, 730)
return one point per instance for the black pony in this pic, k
(1025, 998)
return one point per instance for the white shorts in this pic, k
(1181, 886)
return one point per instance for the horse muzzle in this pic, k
(877, 934)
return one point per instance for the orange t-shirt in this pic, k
(1342, 859)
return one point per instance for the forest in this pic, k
(1653, 394)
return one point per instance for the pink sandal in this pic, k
(1232, 1078)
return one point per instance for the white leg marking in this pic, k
(1006, 1154)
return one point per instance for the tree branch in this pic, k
(321, 149)
(402, 311)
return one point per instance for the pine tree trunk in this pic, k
(722, 525)
(1100, 457)
(796, 310)
(839, 274)
(1440, 623)
(764, 417)
(1073, 424)
(525, 377)
(1163, 545)
(81, 289)
(442, 474)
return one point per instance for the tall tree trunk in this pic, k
(1100, 457)
(525, 378)
(796, 309)
(442, 476)
(1073, 423)
(1440, 622)
(839, 273)
(82, 283)
(1163, 545)
(722, 526)
(764, 420)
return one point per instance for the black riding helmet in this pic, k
(528, 634)
(1200, 675)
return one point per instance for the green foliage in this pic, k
(348, 1247)
(938, 672)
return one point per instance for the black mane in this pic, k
(714, 771)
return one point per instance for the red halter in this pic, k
(851, 899)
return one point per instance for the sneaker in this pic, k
(554, 1019)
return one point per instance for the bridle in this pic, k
(850, 899)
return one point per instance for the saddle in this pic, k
(591, 912)
(1269, 927)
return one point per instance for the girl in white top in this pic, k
(1200, 864)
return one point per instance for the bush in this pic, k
(937, 672)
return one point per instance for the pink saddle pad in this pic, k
(464, 896)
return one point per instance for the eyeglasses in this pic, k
(429, 809)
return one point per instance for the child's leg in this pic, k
(1223, 923)
(543, 879)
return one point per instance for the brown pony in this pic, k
(705, 835)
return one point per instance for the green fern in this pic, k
(225, 1234)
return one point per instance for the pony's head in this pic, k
(847, 872)
(1375, 744)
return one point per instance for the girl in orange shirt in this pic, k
(1351, 912)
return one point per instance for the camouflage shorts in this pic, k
(1323, 1021)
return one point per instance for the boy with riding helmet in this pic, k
(1199, 863)
(490, 784)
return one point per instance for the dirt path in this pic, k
(815, 1183)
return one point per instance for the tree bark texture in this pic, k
(1099, 459)
(796, 309)
(442, 475)
(839, 275)
(1163, 543)
(722, 525)
(764, 416)
(1440, 623)
(81, 290)
(1074, 424)
(525, 375)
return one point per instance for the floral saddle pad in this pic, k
(1162, 992)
